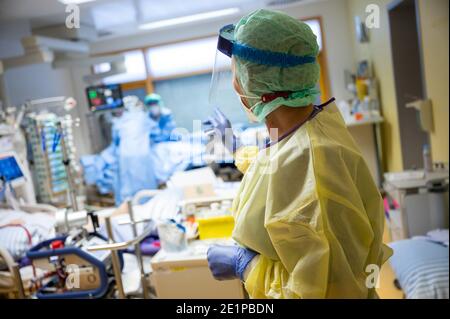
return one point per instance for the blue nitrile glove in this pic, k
(229, 262)
(220, 124)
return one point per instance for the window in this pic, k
(187, 97)
(314, 24)
(135, 65)
(183, 58)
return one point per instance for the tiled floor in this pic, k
(387, 290)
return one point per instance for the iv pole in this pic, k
(66, 162)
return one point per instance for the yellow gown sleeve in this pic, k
(244, 156)
(301, 272)
(266, 278)
(309, 265)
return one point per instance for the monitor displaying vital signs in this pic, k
(104, 97)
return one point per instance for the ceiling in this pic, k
(119, 17)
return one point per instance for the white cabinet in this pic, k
(422, 200)
(186, 275)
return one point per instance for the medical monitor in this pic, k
(104, 97)
(11, 170)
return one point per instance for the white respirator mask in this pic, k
(249, 111)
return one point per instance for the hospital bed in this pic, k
(17, 282)
(24, 230)
(126, 227)
(421, 266)
(50, 263)
(35, 220)
(11, 274)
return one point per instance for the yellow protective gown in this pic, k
(309, 206)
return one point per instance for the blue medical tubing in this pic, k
(43, 139)
(56, 139)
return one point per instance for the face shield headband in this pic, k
(228, 46)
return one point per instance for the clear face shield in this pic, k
(224, 94)
(226, 100)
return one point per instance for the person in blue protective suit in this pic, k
(132, 148)
(165, 124)
(308, 216)
(101, 169)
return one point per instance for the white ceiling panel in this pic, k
(120, 17)
(114, 13)
(154, 10)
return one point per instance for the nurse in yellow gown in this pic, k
(308, 216)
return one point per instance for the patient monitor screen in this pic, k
(9, 169)
(104, 97)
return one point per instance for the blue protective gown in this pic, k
(164, 125)
(133, 151)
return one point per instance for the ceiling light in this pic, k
(187, 19)
(74, 1)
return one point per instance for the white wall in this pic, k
(82, 133)
(29, 81)
(336, 30)
(10, 34)
(434, 28)
(10, 46)
(36, 81)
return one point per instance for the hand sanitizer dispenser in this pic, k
(424, 108)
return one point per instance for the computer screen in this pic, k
(104, 97)
(10, 169)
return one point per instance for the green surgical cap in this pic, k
(275, 31)
(152, 99)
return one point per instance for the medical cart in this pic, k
(421, 200)
(185, 275)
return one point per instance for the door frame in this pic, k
(393, 5)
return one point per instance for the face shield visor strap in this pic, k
(225, 41)
(228, 46)
(270, 58)
(225, 46)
